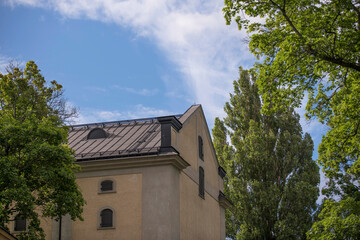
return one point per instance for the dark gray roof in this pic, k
(123, 138)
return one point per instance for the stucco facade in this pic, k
(155, 195)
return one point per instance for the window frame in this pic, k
(201, 182)
(201, 147)
(100, 219)
(14, 224)
(100, 191)
(92, 135)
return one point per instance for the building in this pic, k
(155, 178)
(5, 235)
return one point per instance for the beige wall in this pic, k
(5, 235)
(126, 202)
(161, 197)
(210, 162)
(187, 141)
(199, 218)
(46, 224)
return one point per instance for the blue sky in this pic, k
(131, 58)
(128, 59)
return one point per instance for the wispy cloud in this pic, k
(92, 116)
(95, 88)
(138, 111)
(5, 61)
(141, 111)
(142, 92)
(192, 34)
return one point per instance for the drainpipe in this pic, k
(60, 228)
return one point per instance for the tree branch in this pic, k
(311, 50)
(357, 13)
(352, 135)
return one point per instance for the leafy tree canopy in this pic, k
(312, 47)
(37, 167)
(271, 177)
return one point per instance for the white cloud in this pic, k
(32, 3)
(323, 181)
(142, 92)
(5, 61)
(137, 111)
(140, 111)
(192, 33)
(313, 126)
(95, 89)
(92, 116)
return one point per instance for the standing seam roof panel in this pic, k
(146, 141)
(118, 138)
(124, 138)
(142, 136)
(130, 137)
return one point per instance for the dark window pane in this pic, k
(201, 151)
(96, 133)
(106, 218)
(20, 223)
(107, 185)
(201, 183)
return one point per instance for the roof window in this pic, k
(97, 133)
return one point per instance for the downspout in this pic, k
(60, 228)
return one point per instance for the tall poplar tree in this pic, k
(271, 177)
(312, 48)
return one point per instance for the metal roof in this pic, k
(123, 138)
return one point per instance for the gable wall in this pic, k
(199, 218)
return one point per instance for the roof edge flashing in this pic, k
(172, 120)
(103, 124)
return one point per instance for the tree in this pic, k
(313, 47)
(271, 177)
(37, 167)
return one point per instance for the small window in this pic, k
(201, 150)
(201, 183)
(97, 133)
(20, 223)
(106, 185)
(106, 218)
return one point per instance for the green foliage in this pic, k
(339, 220)
(271, 177)
(37, 167)
(312, 47)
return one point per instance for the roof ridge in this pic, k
(152, 119)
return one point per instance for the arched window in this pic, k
(201, 148)
(97, 133)
(201, 183)
(20, 223)
(106, 185)
(106, 218)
